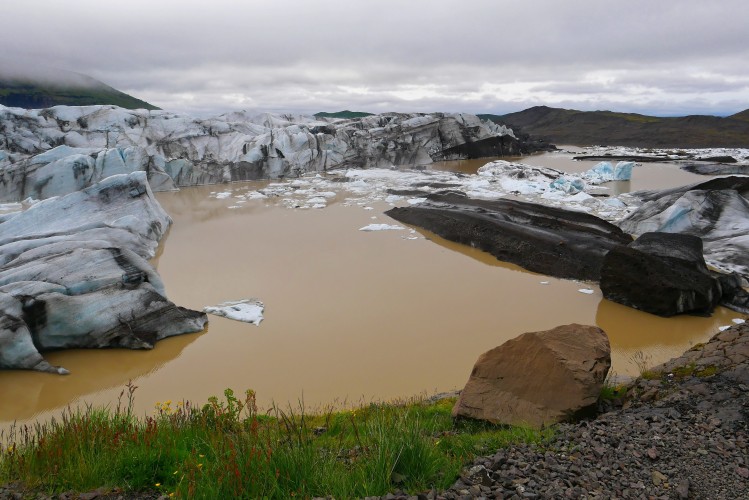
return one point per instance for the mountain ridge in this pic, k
(610, 128)
(63, 88)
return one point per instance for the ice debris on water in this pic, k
(586, 291)
(381, 227)
(724, 328)
(568, 185)
(245, 310)
(738, 321)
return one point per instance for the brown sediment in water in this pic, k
(349, 314)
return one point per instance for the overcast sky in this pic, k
(654, 56)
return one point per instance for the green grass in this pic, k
(227, 449)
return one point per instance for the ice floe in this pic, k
(382, 227)
(245, 310)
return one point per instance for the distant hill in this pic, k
(608, 128)
(343, 114)
(70, 89)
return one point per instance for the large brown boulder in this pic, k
(538, 378)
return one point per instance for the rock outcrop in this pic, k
(74, 273)
(542, 239)
(538, 378)
(716, 168)
(85, 144)
(661, 273)
(716, 211)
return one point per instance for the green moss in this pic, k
(684, 371)
(706, 371)
(651, 374)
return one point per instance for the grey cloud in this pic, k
(302, 55)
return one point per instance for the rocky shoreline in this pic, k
(679, 431)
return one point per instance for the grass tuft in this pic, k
(228, 449)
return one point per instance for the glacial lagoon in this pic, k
(350, 316)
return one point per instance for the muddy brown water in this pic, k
(350, 316)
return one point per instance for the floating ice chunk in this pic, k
(569, 185)
(368, 208)
(544, 282)
(381, 227)
(318, 200)
(416, 201)
(623, 170)
(223, 195)
(393, 198)
(246, 310)
(255, 195)
(738, 321)
(327, 194)
(724, 328)
(601, 172)
(586, 291)
(605, 172)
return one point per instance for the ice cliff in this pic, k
(59, 150)
(74, 273)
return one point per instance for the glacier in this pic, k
(62, 149)
(74, 273)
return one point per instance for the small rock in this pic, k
(658, 478)
(682, 489)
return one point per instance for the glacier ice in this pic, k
(74, 273)
(83, 145)
(245, 310)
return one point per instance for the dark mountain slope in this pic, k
(69, 89)
(343, 114)
(584, 128)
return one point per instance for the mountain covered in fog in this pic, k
(608, 128)
(42, 88)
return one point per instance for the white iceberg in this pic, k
(605, 172)
(245, 310)
(381, 227)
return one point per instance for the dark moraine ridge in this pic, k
(542, 239)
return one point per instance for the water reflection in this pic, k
(25, 394)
